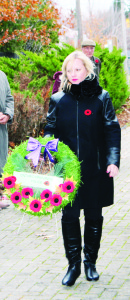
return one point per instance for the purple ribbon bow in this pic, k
(35, 146)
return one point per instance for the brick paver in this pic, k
(31, 268)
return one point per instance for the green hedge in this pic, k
(40, 68)
(112, 75)
(37, 67)
(31, 81)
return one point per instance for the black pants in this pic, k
(72, 213)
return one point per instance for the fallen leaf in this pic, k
(45, 237)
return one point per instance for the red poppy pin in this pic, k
(96, 61)
(87, 112)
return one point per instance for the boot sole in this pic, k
(89, 279)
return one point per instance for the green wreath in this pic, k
(32, 200)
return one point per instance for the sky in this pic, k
(97, 5)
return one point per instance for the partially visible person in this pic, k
(57, 77)
(88, 47)
(6, 116)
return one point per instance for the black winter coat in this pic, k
(84, 119)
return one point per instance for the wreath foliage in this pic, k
(35, 202)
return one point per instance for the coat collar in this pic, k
(89, 87)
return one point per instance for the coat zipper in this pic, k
(77, 129)
(78, 136)
(98, 163)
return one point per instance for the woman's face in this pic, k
(76, 71)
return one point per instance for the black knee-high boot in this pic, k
(72, 243)
(92, 237)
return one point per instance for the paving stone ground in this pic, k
(31, 268)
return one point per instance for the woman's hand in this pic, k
(112, 170)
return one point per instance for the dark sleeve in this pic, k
(99, 65)
(57, 82)
(56, 85)
(112, 133)
(50, 128)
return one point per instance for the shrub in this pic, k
(31, 82)
(28, 23)
(38, 68)
(38, 83)
(28, 117)
(112, 75)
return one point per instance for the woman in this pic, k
(82, 116)
(6, 116)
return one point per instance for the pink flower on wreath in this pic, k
(26, 192)
(56, 200)
(68, 186)
(9, 182)
(16, 197)
(46, 194)
(35, 205)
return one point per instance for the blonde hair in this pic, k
(65, 84)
